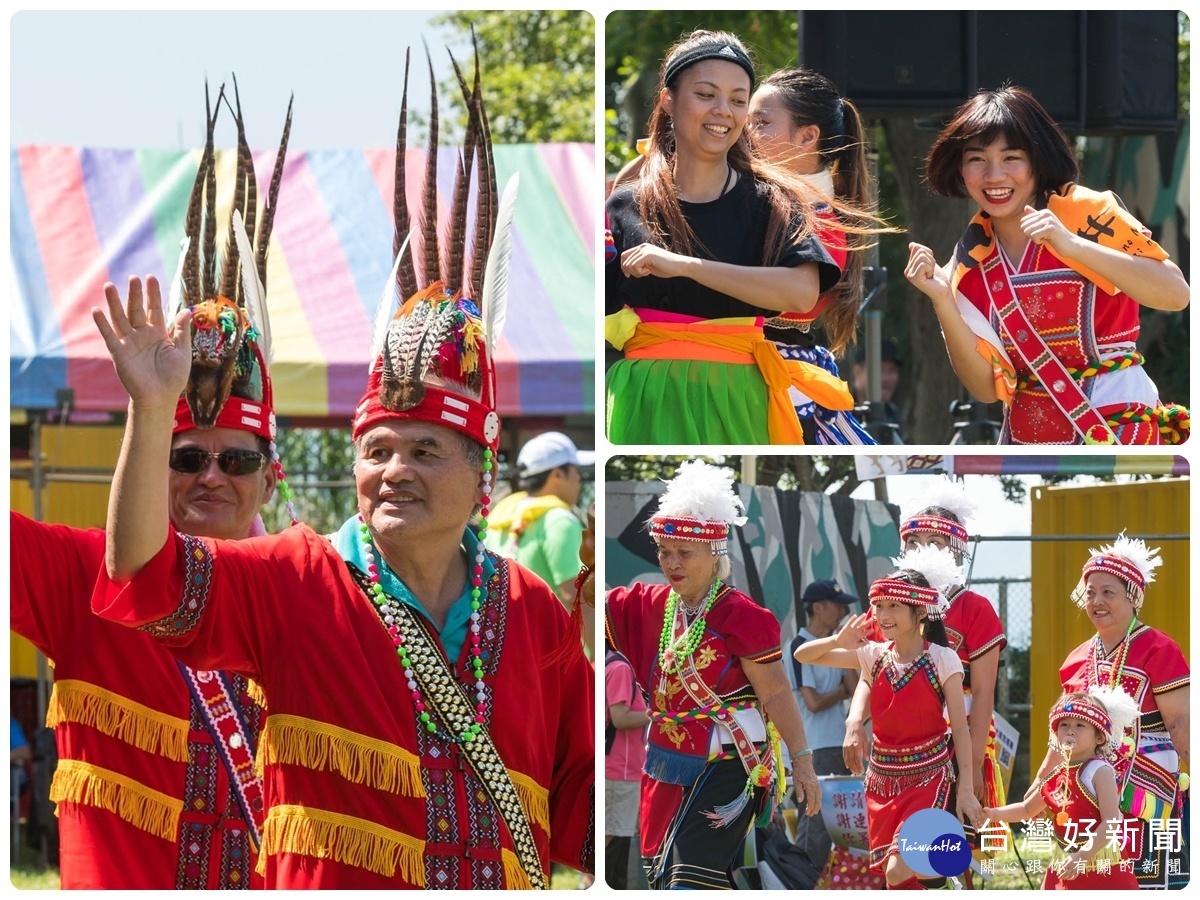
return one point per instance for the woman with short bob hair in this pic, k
(1039, 303)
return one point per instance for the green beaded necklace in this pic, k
(671, 654)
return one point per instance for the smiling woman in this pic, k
(1039, 304)
(710, 242)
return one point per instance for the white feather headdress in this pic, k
(938, 568)
(702, 492)
(1128, 559)
(945, 494)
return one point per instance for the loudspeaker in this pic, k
(1092, 71)
(1133, 71)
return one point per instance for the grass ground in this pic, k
(26, 875)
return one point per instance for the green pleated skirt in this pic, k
(675, 401)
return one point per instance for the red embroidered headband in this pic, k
(1086, 710)
(953, 531)
(688, 529)
(903, 592)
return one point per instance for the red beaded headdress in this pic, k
(699, 504)
(935, 565)
(1128, 559)
(1109, 710)
(433, 360)
(229, 385)
(946, 495)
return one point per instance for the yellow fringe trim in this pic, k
(318, 745)
(345, 839)
(534, 798)
(140, 806)
(515, 877)
(255, 692)
(118, 717)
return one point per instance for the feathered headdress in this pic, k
(699, 504)
(1109, 710)
(433, 360)
(229, 384)
(935, 565)
(1129, 559)
(927, 518)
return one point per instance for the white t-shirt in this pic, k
(945, 660)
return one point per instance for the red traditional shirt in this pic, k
(358, 795)
(1082, 326)
(678, 749)
(143, 798)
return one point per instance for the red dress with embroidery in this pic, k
(737, 628)
(1081, 325)
(358, 796)
(910, 766)
(1154, 665)
(144, 801)
(1081, 809)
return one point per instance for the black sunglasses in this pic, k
(191, 460)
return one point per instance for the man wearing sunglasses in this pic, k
(154, 784)
(431, 709)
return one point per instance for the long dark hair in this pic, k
(655, 196)
(812, 99)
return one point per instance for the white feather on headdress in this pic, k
(1135, 551)
(936, 565)
(949, 495)
(704, 492)
(1122, 710)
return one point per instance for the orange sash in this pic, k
(738, 341)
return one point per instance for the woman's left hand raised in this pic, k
(1042, 227)
(647, 259)
(804, 780)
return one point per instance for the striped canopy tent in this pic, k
(81, 217)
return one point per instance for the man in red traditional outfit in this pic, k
(417, 735)
(155, 785)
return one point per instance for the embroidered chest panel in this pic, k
(212, 831)
(1060, 306)
(462, 823)
(898, 677)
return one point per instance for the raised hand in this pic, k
(924, 274)
(647, 259)
(1042, 227)
(151, 360)
(854, 633)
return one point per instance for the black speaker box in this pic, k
(1092, 71)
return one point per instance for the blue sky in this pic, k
(136, 79)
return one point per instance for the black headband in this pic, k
(708, 50)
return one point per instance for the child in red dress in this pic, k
(1081, 793)
(912, 676)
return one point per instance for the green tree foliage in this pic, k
(539, 73)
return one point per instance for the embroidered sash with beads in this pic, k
(445, 700)
(703, 695)
(1060, 386)
(218, 706)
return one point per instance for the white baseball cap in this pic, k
(549, 451)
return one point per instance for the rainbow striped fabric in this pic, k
(83, 216)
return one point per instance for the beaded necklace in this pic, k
(389, 608)
(673, 652)
(1114, 680)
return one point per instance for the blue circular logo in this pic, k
(932, 842)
